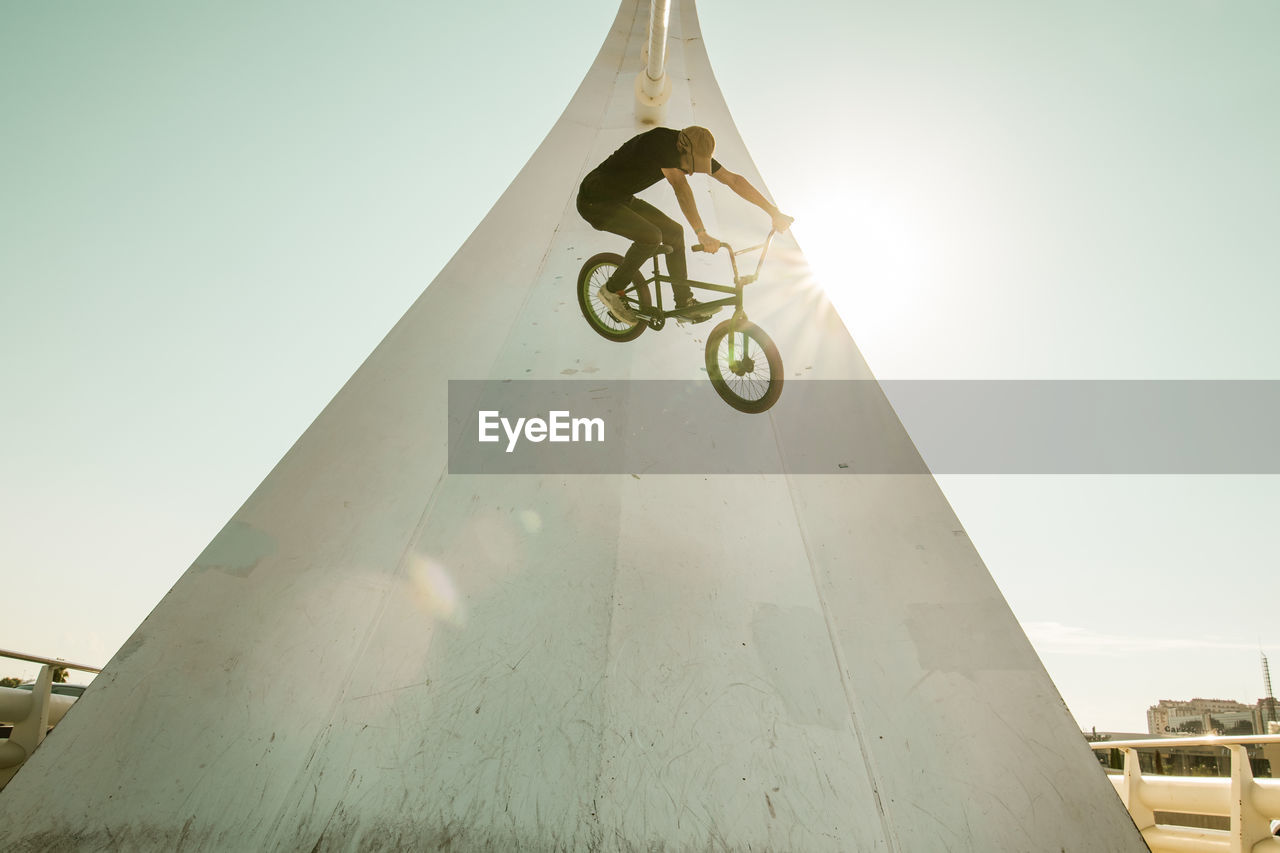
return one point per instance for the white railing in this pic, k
(31, 712)
(1249, 804)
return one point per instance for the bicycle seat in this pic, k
(663, 249)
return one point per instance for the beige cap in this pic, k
(699, 141)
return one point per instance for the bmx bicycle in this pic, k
(743, 363)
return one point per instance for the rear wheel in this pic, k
(744, 366)
(595, 272)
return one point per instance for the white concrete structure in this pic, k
(377, 654)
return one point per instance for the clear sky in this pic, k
(211, 213)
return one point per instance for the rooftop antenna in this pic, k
(1270, 701)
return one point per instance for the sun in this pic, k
(869, 256)
(870, 259)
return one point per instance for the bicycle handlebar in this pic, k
(733, 256)
(698, 247)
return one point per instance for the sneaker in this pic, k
(700, 314)
(618, 307)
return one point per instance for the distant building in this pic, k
(1269, 710)
(1172, 718)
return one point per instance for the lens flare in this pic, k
(433, 591)
(531, 520)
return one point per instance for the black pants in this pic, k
(646, 227)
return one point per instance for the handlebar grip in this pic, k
(697, 247)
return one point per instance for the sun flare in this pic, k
(869, 258)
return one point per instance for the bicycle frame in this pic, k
(656, 317)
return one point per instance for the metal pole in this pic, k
(653, 84)
(659, 14)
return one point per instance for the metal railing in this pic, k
(31, 712)
(1248, 804)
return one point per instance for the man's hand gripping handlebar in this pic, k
(781, 223)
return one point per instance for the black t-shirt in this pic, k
(636, 165)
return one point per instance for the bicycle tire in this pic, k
(734, 371)
(594, 273)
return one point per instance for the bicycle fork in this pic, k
(739, 353)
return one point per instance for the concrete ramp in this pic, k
(378, 654)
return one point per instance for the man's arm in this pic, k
(741, 186)
(684, 196)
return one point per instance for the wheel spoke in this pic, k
(594, 276)
(598, 279)
(751, 385)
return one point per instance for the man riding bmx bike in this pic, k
(606, 200)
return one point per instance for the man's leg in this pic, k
(618, 218)
(672, 234)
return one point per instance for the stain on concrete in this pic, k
(968, 637)
(236, 551)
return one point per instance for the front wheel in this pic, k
(595, 273)
(744, 366)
